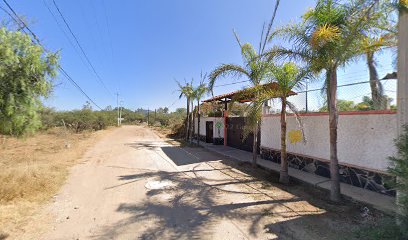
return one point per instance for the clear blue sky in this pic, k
(140, 47)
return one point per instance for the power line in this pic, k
(39, 42)
(80, 47)
(339, 86)
(65, 34)
(78, 87)
(234, 83)
(21, 20)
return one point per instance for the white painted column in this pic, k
(402, 91)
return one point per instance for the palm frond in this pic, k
(226, 70)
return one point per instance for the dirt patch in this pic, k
(34, 168)
(344, 220)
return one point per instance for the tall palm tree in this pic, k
(186, 90)
(288, 77)
(199, 92)
(326, 40)
(256, 70)
(370, 46)
(381, 34)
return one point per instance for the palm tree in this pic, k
(288, 77)
(199, 92)
(382, 33)
(370, 46)
(256, 70)
(186, 91)
(326, 40)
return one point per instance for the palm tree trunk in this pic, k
(333, 121)
(284, 175)
(376, 95)
(192, 122)
(198, 122)
(255, 146)
(188, 120)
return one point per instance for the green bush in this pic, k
(400, 170)
(385, 229)
(78, 120)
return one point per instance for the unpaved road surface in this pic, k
(134, 185)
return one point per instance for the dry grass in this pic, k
(32, 171)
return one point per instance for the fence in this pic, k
(351, 96)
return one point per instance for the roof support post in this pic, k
(225, 121)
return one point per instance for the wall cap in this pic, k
(313, 114)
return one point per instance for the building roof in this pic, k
(242, 96)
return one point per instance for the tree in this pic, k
(342, 106)
(327, 39)
(381, 34)
(198, 93)
(257, 71)
(288, 77)
(26, 74)
(399, 169)
(186, 91)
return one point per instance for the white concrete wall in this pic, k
(364, 140)
(218, 133)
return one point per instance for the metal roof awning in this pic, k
(244, 95)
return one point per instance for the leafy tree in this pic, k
(327, 39)
(342, 106)
(26, 74)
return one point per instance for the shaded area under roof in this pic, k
(244, 95)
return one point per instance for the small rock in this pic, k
(365, 212)
(76, 207)
(67, 217)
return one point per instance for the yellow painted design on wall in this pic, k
(295, 136)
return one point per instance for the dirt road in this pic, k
(134, 185)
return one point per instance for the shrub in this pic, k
(78, 120)
(400, 170)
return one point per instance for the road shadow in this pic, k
(3, 236)
(189, 209)
(196, 206)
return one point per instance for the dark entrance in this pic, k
(235, 135)
(209, 131)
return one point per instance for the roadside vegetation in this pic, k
(328, 37)
(33, 169)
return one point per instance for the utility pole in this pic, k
(148, 116)
(155, 115)
(117, 105)
(120, 113)
(402, 85)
